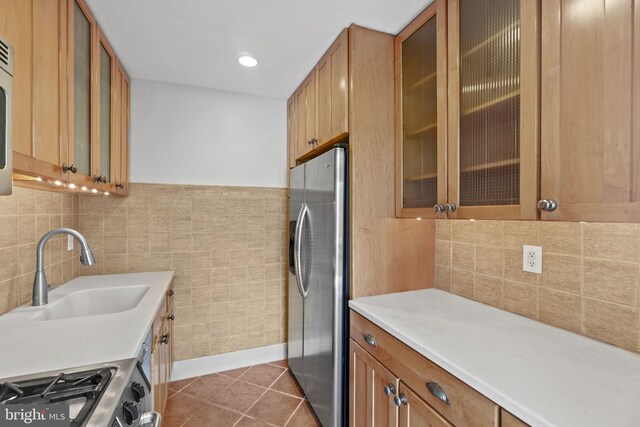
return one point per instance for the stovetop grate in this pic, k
(63, 388)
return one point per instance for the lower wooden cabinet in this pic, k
(393, 385)
(371, 391)
(161, 353)
(415, 412)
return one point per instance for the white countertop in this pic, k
(29, 346)
(544, 375)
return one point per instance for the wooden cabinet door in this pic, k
(507, 419)
(493, 108)
(369, 406)
(415, 412)
(306, 115)
(291, 131)
(332, 73)
(106, 110)
(120, 149)
(590, 110)
(421, 104)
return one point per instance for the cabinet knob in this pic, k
(437, 391)
(400, 400)
(389, 389)
(170, 292)
(310, 142)
(549, 205)
(450, 207)
(165, 339)
(66, 168)
(100, 178)
(171, 317)
(120, 185)
(439, 208)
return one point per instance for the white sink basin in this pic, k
(93, 302)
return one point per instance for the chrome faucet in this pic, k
(40, 285)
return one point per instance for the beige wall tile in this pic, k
(612, 323)
(561, 272)
(488, 290)
(611, 241)
(560, 309)
(490, 233)
(443, 252)
(561, 237)
(519, 233)
(513, 268)
(462, 255)
(443, 277)
(443, 229)
(462, 282)
(611, 281)
(463, 231)
(520, 298)
(489, 260)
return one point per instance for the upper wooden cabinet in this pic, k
(332, 74)
(591, 110)
(472, 153)
(65, 110)
(421, 104)
(291, 131)
(305, 116)
(319, 107)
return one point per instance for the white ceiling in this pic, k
(197, 42)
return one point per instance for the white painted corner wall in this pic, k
(191, 135)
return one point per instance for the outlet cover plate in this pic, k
(532, 259)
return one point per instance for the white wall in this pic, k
(189, 135)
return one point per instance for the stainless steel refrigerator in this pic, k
(318, 288)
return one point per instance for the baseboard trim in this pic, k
(223, 362)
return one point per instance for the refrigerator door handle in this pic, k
(298, 249)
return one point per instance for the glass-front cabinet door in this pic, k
(106, 68)
(80, 149)
(421, 97)
(493, 108)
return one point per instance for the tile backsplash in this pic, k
(226, 244)
(590, 274)
(25, 216)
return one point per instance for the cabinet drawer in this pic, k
(507, 419)
(458, 402)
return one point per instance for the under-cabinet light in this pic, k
(83, 188)
(58, 183)
(72, 186)
(106, 193)
(248, 61)
(93, 190)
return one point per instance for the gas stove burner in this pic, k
(80, 390)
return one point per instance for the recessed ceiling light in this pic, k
(248, 61)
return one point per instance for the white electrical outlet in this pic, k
(69, 242)
(532, 259)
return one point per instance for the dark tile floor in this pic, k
(261, 395)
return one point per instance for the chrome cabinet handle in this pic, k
(120, 185)
(370, 340)
(549, 205)
(389, 389)
(153, 418)
(450, 207)
(437, 391)
(66, 168)
(100, 178)
(165, 339)
(439, 208)
(400, 400)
